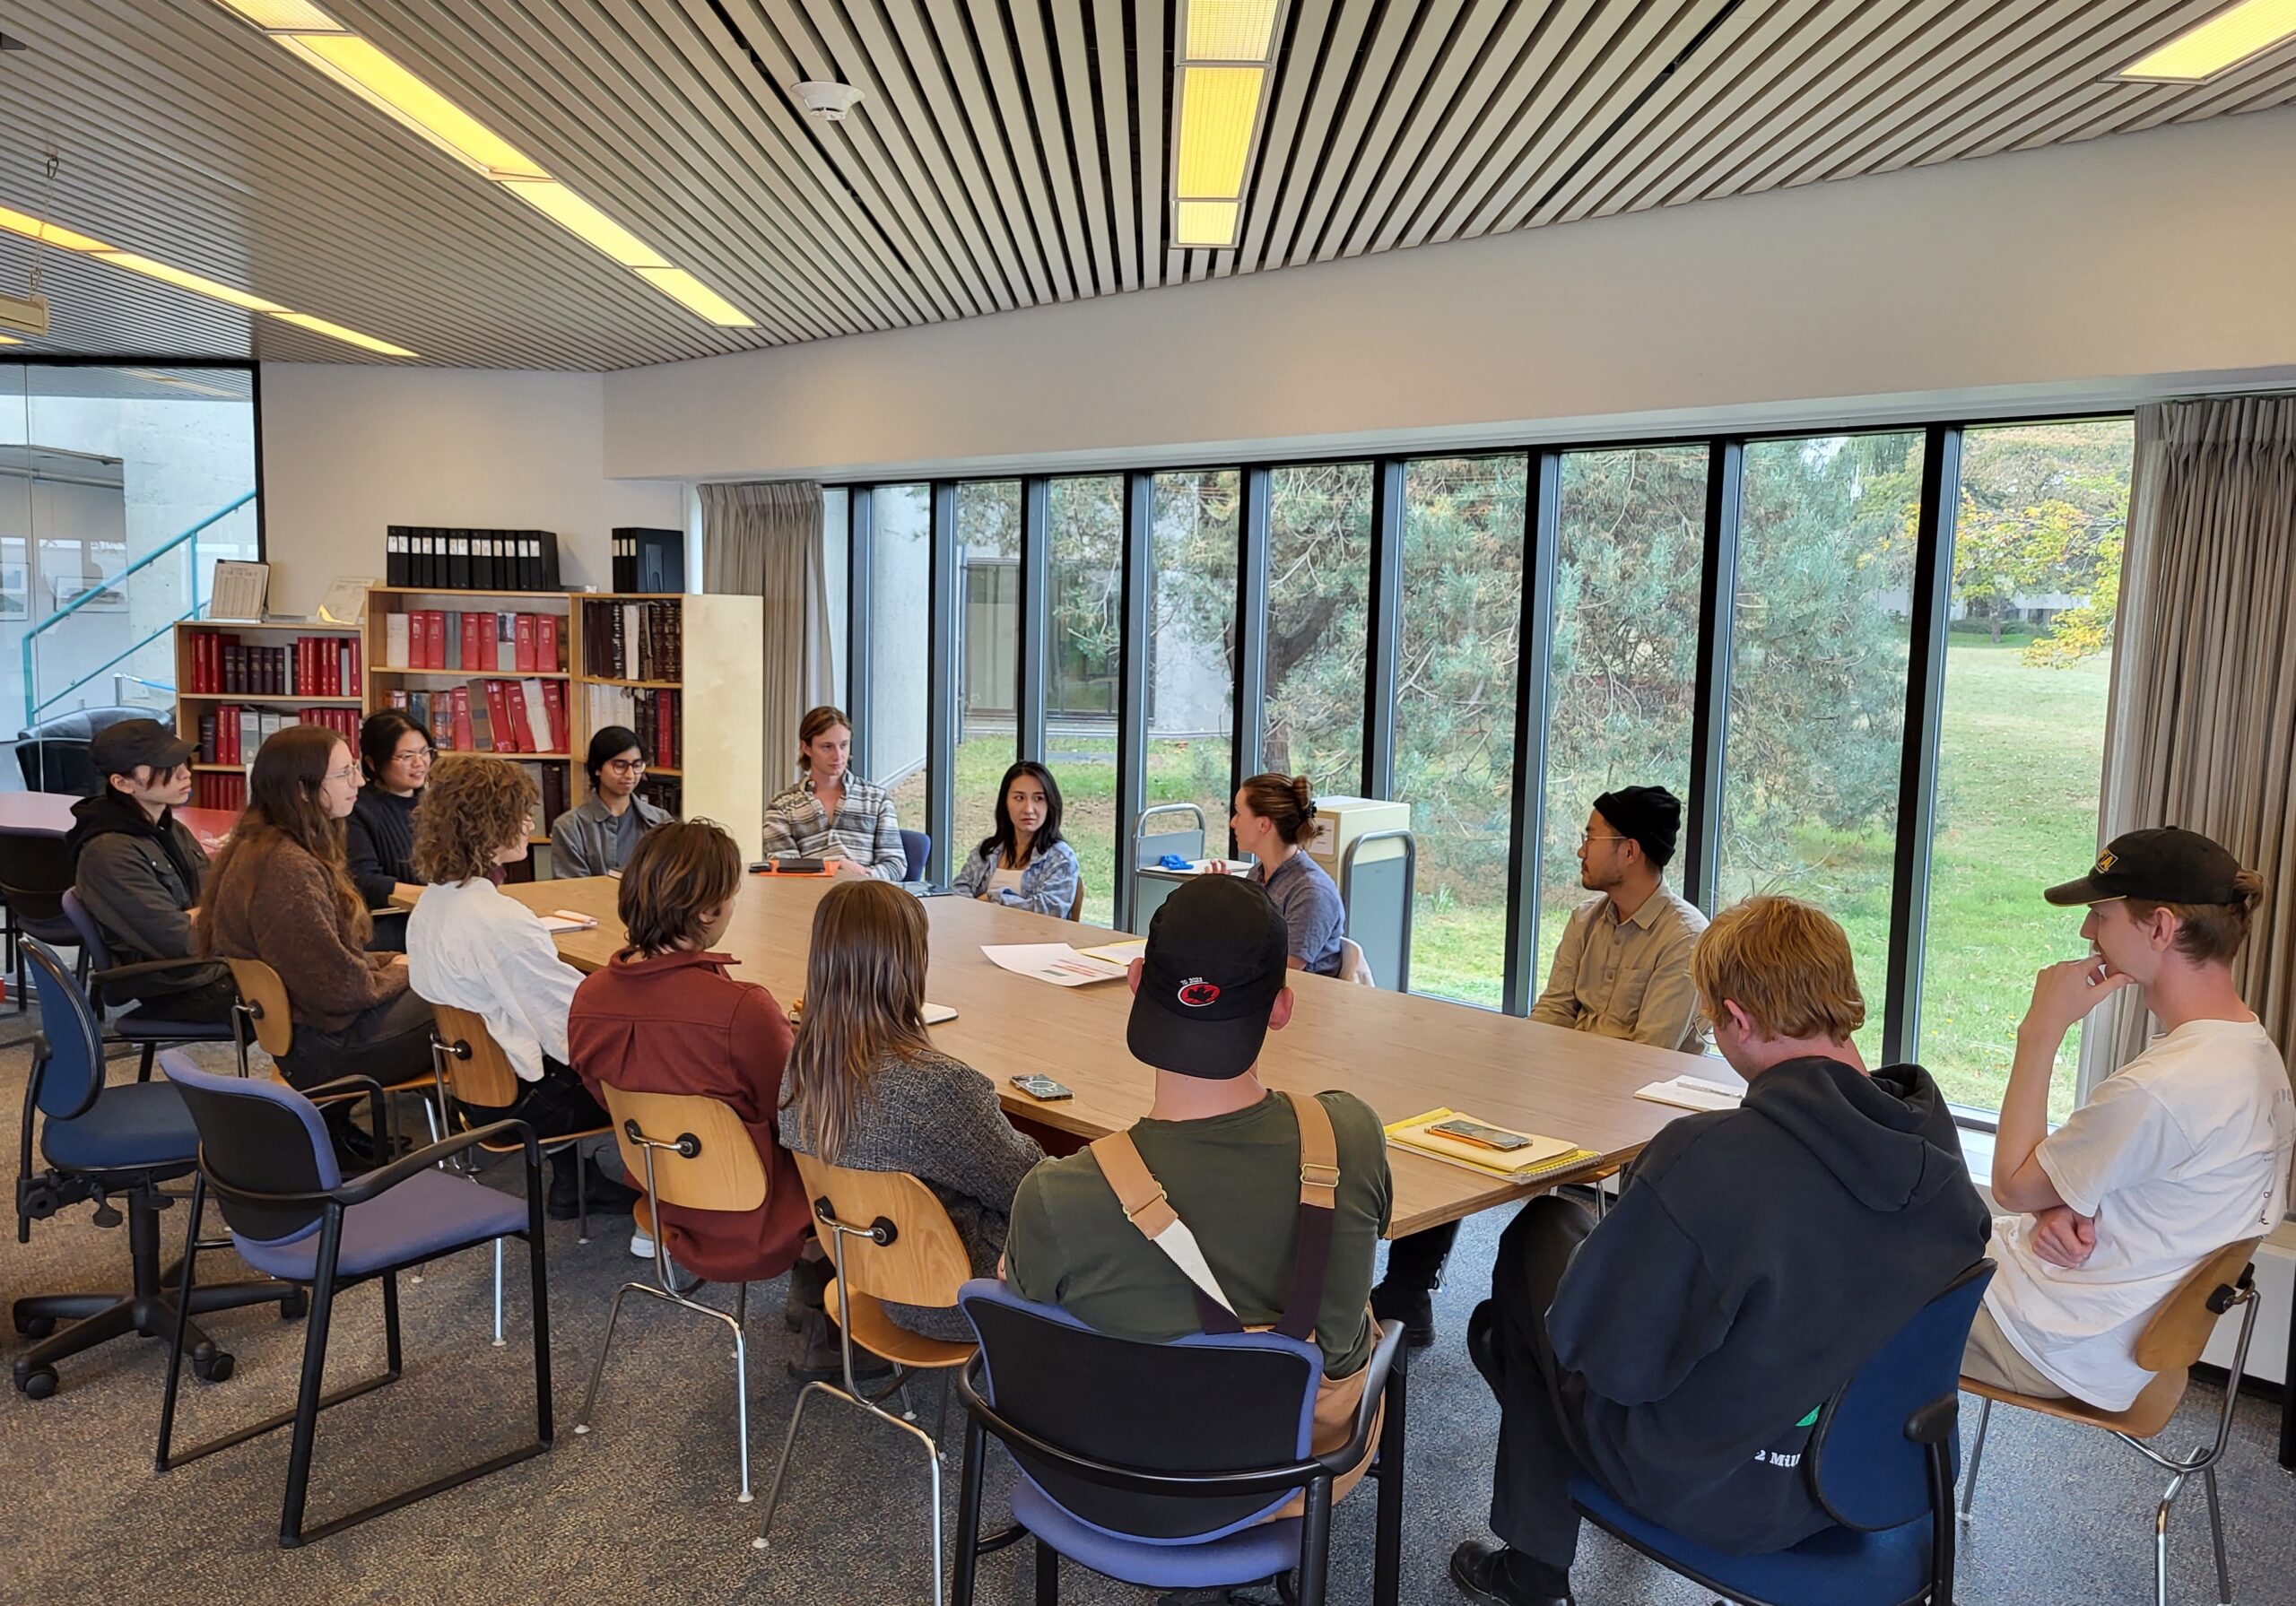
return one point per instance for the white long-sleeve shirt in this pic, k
(471, 948)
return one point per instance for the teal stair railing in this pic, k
(34, 704)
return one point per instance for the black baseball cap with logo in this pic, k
(2165, 864)
(1215, 962)
(124, 748)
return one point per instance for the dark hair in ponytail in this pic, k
(1285, 802)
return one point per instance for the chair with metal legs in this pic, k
(265, 1013)
(265, 1155)
(692, 1152)
(2171, 1342)
(890, 1241)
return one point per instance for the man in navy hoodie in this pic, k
(1679, 1350)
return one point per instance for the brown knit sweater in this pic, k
(277, 905)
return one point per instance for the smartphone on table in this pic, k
(1041, 1087)
(1480, 1135)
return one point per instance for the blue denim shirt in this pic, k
(1048, 882)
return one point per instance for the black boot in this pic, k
(604, 1195)
(809, 1281)
(817, 1355)
(1506, 1578)
(1414, 1307)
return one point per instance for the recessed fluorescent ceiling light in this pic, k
(10, 340)
(361, 67)
(1206, 222)
(1218, 106)
(2225, 40)
(1229, 31)
(17, 222)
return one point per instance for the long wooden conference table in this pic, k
(1401, 1054)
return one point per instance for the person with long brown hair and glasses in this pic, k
(280, 892)
(666, 1015)
(867, 1090)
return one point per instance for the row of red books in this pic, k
(498, 643)
(231, 735)
(313, 666)
(209, 791)
(499, 717)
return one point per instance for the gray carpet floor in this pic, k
(643, 1506)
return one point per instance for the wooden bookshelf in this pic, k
(201, 694)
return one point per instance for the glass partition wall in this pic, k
(1872, 664)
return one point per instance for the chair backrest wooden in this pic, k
(476, 1070)
(925, 1264)
(263, 996)
(1352, 966)
(723, 1172)
(2179, 1329)
(1077, 906)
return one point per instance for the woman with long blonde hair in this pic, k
(866, 1089)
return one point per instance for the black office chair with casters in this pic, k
(114, 1145)
(53, 754)
(35, 873)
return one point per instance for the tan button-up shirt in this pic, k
(1628, 978)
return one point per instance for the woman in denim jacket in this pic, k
(1024, 864)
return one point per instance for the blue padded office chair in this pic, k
(1881, 1461)
(919, 847)
(144, 1026)
(114, 1145)
(1163, 1464)
(266, 1156)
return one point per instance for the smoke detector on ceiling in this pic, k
(827, 101)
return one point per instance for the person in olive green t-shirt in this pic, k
(1225, 1149)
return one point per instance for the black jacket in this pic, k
(1755, 1261)
(138, 877)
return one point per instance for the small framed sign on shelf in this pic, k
(240, 590)
(346, 601)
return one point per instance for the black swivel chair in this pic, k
(53, 754)
(115, 1145)
(35, 873)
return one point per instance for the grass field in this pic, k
(2017, 774)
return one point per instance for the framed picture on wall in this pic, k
(69, 589)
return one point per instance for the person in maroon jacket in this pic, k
(665, 1016)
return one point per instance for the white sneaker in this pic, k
(641, 1245)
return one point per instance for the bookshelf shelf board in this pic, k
(271, 697)
(496, 752)
(219, 769)
(662, 770)
(476, 674)
(601, 680)
(301, 626)
(533, 596)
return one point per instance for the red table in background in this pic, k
(49, 814)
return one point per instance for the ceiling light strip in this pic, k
(1225, 61)
(307, 32)
(184, 279)
(2237, 34)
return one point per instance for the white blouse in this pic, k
(471, 948)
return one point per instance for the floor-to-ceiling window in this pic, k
(1630, 548)
(836, 558)
(1318, 580)
(1084, 659)
(1820, 629)
(988, 653)
(2036, 576)
(1455, 696)
(1192, 557)
(901, 589)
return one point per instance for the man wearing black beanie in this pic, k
(1622, 971)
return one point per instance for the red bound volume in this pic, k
(553, 702)
(464, 737)
(502, 735)
(524, 644)
(547, 658)
(352, 686)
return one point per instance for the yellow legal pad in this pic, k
(1520, 1165)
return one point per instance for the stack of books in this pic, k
(312, 666)
(493, 716)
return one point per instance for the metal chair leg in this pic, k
(742, 1403)
(933, 1465)
(614, 1314)
(2216, 1533)
(1977, 1455)
(498, 1295)
(781, 1468)
(1047, 1575)
(2161, 1541)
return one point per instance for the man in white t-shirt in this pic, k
(2185, 1150)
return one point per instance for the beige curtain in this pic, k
(764, 539)
(2203, 731)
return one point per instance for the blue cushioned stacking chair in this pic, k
(1164, 1464)
(1881, 1462)
(115, 1145)
(265, 1155)
(919, 848)
(144, 1026)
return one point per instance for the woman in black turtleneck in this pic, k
(396, 752)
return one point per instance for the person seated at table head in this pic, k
(600, 832)
(1271, 816)
(1024, 864)
(2183, 1151)
(280, 892)
(867, 1089)
(1623, 969)
(378, 837)
(1226, 1153)
(831, 814)
(471, 946)
(666, 1015)
(139, 871)
(1679, 1350)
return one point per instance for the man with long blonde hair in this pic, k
(1679, 1350)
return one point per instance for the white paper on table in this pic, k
(1118, 953)
(1054, 962)
(1692, 1093)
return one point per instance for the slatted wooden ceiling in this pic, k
(1005, 156)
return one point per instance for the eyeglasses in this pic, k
(626, 766)
(348, 772)
(1586, 837)
(416, 755)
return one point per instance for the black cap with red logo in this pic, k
(1215, 962)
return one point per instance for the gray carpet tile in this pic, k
(643, 1506)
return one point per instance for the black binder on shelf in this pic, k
(395, 555)
(481, 560)
(652, 559)
(458, 560)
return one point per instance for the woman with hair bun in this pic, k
(1271, 821)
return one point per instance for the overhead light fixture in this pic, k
(1220, 81)
(180, 383)
(2234, 35)
(359, 66)
(10, 340)
(198, 284)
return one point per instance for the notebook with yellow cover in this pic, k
(1542, 1156)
